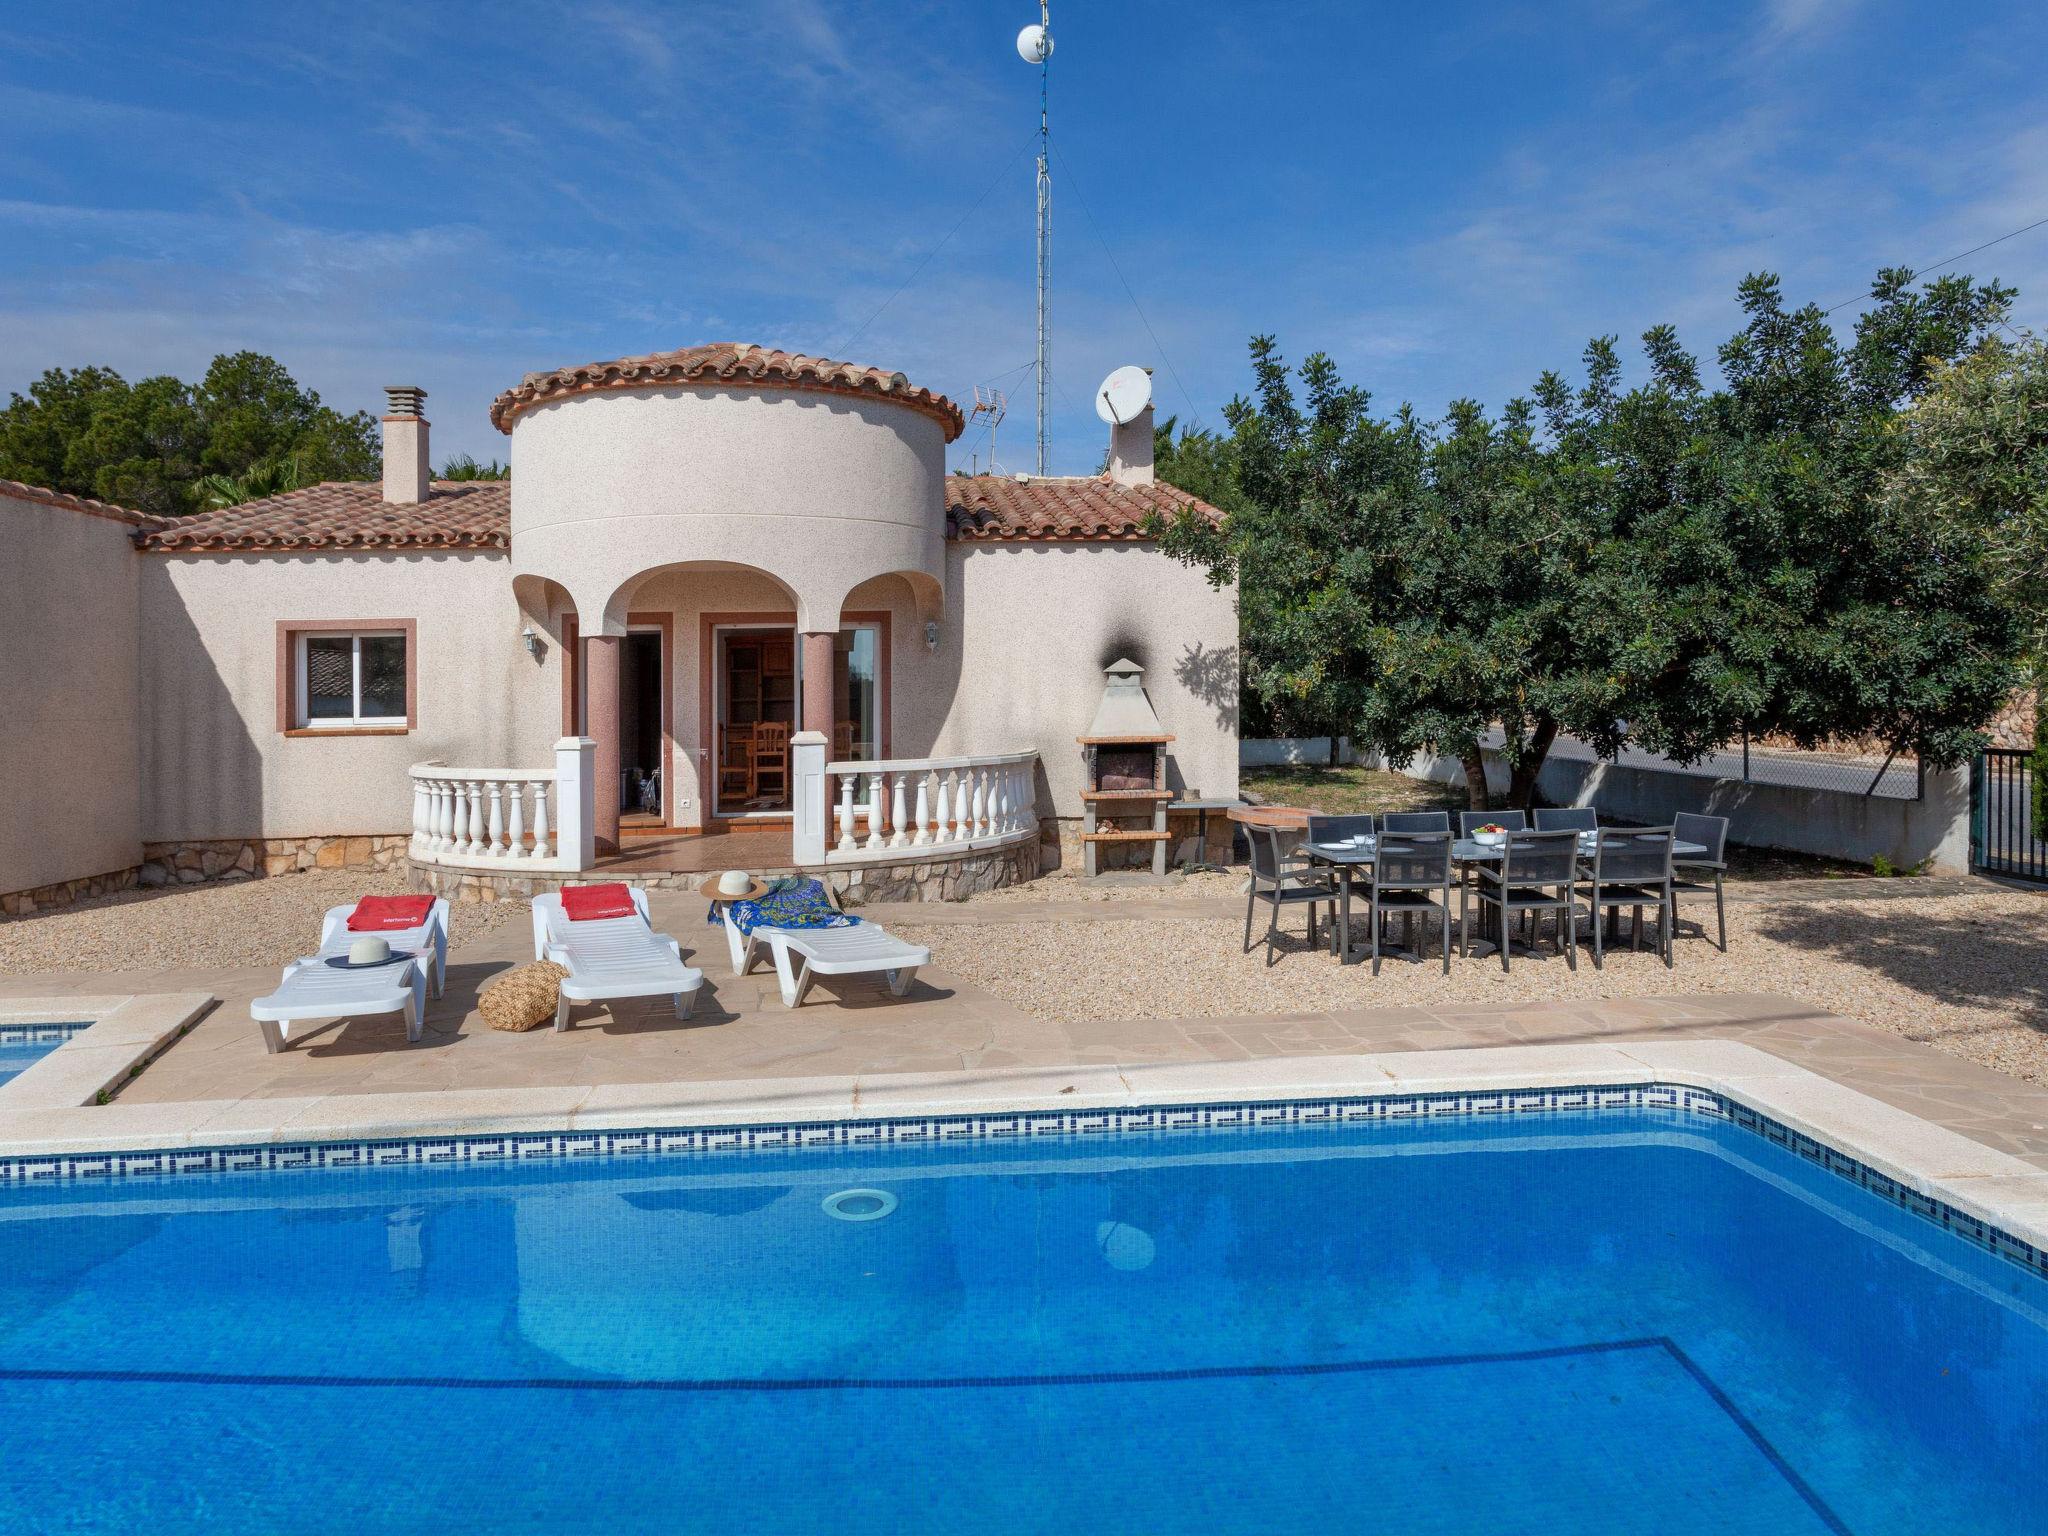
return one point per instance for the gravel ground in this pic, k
(1966, 974)
(1068, 885)
(244, 922)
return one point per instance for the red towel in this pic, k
(387, 914)
(583, 902)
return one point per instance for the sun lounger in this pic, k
(864, 949)
(335, 937)
(313, 988)
(612, 957)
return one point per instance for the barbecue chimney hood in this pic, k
(1125, 713)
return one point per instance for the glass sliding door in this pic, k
(857, 693)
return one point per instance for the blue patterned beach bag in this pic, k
(790, 903)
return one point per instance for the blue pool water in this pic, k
(22, 1046)
(1634, 1321)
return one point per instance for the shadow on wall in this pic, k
(204, 778)
(1210, 674)
(1983, 960)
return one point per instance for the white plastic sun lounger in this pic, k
(610, 957)
(335, 937)
(862, 949)
(313, 989)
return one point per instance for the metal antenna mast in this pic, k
(1034, 44)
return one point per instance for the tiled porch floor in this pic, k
(741, 1031)
(731, 846)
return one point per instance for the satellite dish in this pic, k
(1034, 44)
(1122, 395)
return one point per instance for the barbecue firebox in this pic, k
(1124, 753)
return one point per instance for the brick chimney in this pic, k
(405, 444)
(1130, 449)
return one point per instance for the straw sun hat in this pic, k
(737, 885)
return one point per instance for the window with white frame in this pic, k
(345, 680)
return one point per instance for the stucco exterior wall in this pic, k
(822, 491)
(215, 763)
(70, 802)
(1028, 630)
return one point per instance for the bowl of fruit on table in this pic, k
(1491, 835)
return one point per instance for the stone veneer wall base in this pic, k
(936, 879)
(231, 858)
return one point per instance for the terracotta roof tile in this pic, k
(476, 514)
(1092, 507)
(731, 363)
(14, 490)
(457, 514)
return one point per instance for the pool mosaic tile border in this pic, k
(714, 1140)
(42, 1034)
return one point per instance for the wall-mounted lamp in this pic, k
(931, 634)
(531, 640)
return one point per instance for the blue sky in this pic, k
(1448, 198)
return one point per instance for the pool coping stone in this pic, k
(1979, 1181)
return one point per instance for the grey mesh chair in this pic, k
(1538, 873)
(1563, 818)
(1415, 821)
(1631, 867)
(1411, 875)
(1281, 880)
(1332, 829)
(1711, 833)
(1471, 821)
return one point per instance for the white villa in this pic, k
(729, 611)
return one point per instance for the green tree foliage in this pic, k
(1662, 564)
(466, 467)
(167, 447)
(1977, 465)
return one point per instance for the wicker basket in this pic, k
(523, 999)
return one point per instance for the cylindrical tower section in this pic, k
(822, 474)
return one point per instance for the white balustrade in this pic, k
(505, 819)
(920, 807)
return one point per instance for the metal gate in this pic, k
(2005, 839)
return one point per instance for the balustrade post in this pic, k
(540, 819)
(999, 802)
(458, 817)
(419, 814)
(495, 832)
(810, 796)
(846, 841)
(978, 826)
(923, 817)
(515, 819)
(899, 834)
(575, 802)
(476, 819)
(875, 838)
(439, 812)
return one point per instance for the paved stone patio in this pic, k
(855, 1030)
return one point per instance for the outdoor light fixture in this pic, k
(530, 640)
(931, 634)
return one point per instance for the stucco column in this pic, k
(601, 679)
(818, 685)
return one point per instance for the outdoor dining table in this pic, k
(1354, 854)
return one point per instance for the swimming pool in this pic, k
(1631, 1319)
(23, 1045)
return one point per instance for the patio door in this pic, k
(754, 713)
(642, 769)
(756, 689)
